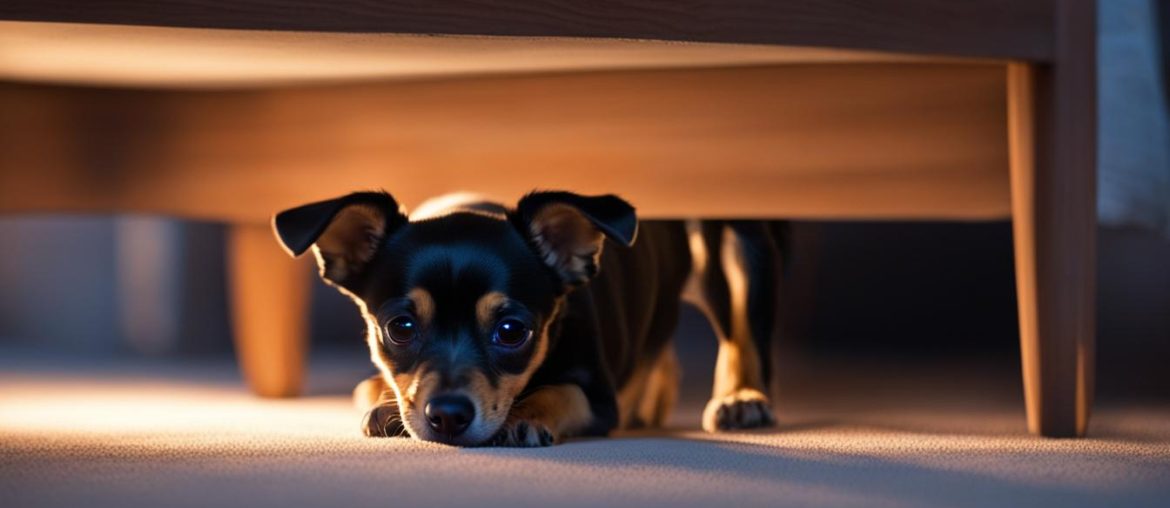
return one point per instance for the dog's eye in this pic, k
(511, 333)
(401, 330)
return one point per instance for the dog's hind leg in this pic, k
(650, 395)
(734, 283)
(661, 389)
(375, 398)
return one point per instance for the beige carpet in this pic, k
(115, 434)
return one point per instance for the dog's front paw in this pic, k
(744, 409)
(383, 421)
(523, 433)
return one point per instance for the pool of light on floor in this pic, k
(102, 408)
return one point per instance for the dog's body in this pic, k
(521, 327)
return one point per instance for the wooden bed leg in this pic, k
(1052, 117)
(269, 295)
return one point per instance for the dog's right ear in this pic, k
(347, 232)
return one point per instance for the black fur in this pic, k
(604, 329)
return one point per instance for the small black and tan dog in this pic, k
(524, 326)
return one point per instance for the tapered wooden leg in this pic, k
(1052, 115)
(269, 295)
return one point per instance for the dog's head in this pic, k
(458, 305)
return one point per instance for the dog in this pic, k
(552, 319)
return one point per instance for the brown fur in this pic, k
(376, 400)
(547, 416)
(349, 242)
(738, 397)
(567, 241)
(498, 402)
(650, 395)
(408, 387)
(424, 305)
(486, 307)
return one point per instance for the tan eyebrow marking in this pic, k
(424, 305)
(486, 307)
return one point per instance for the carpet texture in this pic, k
(167, 435)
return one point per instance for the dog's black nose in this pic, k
(449, 415)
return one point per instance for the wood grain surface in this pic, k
(988, 28)
(831, 141)
(1054, 158)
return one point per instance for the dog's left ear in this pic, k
(347, 232)
(569, 230)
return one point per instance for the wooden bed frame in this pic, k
(902, 109)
